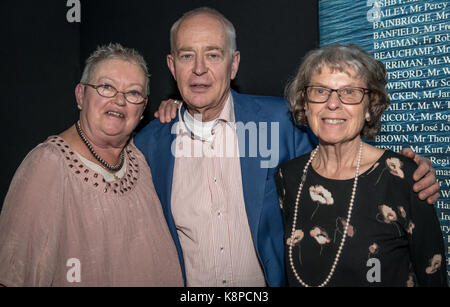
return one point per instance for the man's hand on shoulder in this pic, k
(167, 110)
(424, 176)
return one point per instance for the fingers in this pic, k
(407, 152)
(174, 109)
(424, 167)
(432, 199)
(162, 111)
(167, 110)
(427, 187)
(431, 192)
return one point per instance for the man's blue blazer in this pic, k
(273, 121)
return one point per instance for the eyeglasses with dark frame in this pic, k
(347, 95)
(109, 91)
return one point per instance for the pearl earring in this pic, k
(367, 117)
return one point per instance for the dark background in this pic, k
(43, 55)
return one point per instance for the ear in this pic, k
(145, 103)
(235, 64)
(171, 65)
(79, 95)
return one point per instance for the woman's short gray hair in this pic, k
(230, 30)
(114, 51)
(341, 58)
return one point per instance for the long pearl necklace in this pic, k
(113, 168)
(349, 213)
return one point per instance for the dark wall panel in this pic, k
(40, 66)
(44, 53)
(271, 35)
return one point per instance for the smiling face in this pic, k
(334, 122)
(111, 120)
(202, 65)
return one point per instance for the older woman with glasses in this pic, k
(351, 215)
(82, 209)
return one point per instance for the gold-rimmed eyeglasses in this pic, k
(109, 91)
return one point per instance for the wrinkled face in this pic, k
(201, 62)
(334, 122)
(112, 118)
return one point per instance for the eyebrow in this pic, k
(209, 48)
(214, 48)
(323, 85)
(114, 81)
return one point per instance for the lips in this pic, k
(333, 121)
(115, 114)
(199, 87)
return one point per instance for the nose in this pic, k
(334, 101)
(199, 66)
(120, 99)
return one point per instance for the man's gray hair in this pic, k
(230, 30)
(118, 52)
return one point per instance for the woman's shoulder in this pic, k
(131, 146)
(295, 165)
(391, 154)
(136, 154)
(45, 153)
(39, 176)
(303, 159)
(395, 160)
(40, 166)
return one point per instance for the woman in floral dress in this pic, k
(351, 215)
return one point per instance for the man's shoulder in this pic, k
(156, 126)
(269, 100)
(274, 108)
(151, 132)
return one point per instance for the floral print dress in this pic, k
(393, 239)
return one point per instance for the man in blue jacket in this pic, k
(213, 167)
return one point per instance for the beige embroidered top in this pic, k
(62, 224)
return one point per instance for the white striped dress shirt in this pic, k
(208, 207)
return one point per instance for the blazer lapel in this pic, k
(253, 176)
(162, 165)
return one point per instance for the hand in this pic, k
(425, 176)
(167, 110)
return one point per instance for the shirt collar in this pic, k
(204, 130)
